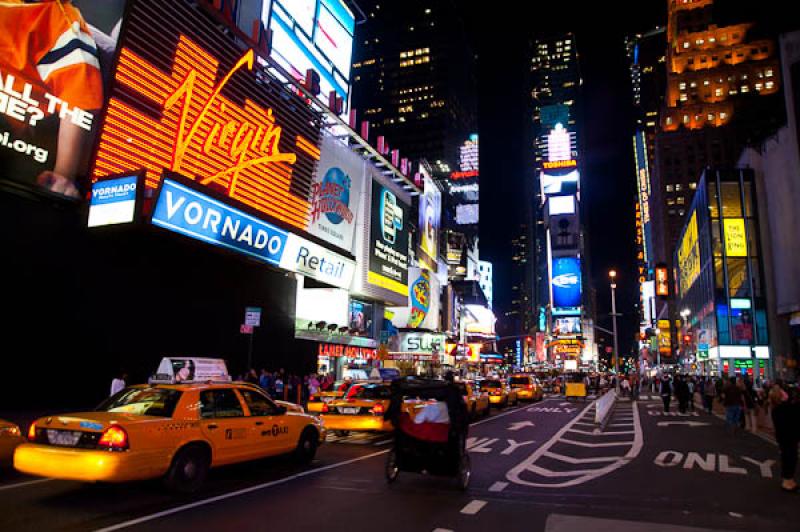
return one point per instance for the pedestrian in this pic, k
(666, 392)
(251, 377)
(733, 401)
(750, 406)
(786, 420)
(692, 385)
(682, 393)
(709, 393)
(313, 386)
(278, 387)
(118, 382)
(626, 387)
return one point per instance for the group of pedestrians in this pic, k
(289, 386)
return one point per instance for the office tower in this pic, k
(413, 79)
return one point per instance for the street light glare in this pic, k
(612, 274)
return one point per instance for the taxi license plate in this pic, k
(63, 437)
(348, 410)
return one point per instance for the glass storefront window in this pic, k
(723, 331)
(731, 200)
(738, 284)
(712, 199)
(748, 199)
(761, 327)
(741, 327)
(719, 274)
(752, 236)
(716, 240)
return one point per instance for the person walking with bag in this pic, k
(786, 420)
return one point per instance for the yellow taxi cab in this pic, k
(527, 387)
(477, 400)
(10, 437)
(177, 427)
(361, 409)
(500, 394)
(320, 398)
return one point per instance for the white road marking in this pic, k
(473, 507)
(581, 476)
(237, 493)
(593, 445)
(520, 424)
(383, 442)
(442, 530)
(498, 486)
(566, 403)
(687, 423)
(26, 483)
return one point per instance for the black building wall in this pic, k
(78, 305)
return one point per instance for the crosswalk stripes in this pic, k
(566, 460)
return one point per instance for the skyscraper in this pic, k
(560, 284)
(413, 79)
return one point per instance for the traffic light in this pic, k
(687, 338)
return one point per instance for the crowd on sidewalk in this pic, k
(289, 386)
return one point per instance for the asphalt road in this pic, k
(537, 467)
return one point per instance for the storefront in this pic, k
(719, 272)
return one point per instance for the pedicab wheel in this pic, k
(341, 433)
(392, 470)
(464, 471)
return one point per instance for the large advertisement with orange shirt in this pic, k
(201, 104)
(56, 57)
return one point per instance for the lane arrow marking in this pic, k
(688, 423)
(520, 424)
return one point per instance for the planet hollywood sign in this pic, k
(349, 351)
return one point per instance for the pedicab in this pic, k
(431, 437)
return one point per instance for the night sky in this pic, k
(608, 183)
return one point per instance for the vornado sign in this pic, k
(189, 212)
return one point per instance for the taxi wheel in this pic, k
(392, 469)
(188, 470)
(307, 446)
(464, 471)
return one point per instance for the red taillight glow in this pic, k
(377, 409)
(114, 438)
(530, 386)
(32, 432)
(325, 407)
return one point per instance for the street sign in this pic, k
(246, 329)
(252, 316)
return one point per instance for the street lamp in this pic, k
(613, 276)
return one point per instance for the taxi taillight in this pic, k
(114, 438)
(530, 386)
(325, 408)
(32, 432)
(377, 409)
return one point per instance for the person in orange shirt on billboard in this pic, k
(48, 45)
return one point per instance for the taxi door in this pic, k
(224, 424)
(271, 433)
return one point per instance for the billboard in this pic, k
(199, 105)
(689, 256)
(113, 201)
(56, 59)
(567, 325)
(561, 205)
(643, 187)
(430, 212)
(566, 283)
(388, 244)
(183, 209)
(335, 193)
(559, 183)
(422, 311)
(314, 34)
(735, 237)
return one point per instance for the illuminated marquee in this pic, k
(208, 119)
(348, 351)
(468, 174)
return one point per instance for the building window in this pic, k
(693, 186)
(768, 72)
(678, 187)
(723, 115)
(710, 117)
(670, 188)
(685, 119)
(669, 120)
(685, 44)
(770, 84)
(681, 200)
(682, 85)
(718, 92)
(706, 82)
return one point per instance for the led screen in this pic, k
(566, 281)
(559, 183)
(388, 254)
(430, 210)
(562, 205)
(55, 61)
(467, 214)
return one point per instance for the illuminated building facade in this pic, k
(559, 285)
(719, 270)
(722, 93)
(413, 79)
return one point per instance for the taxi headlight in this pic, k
(10, 430)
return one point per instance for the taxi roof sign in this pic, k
(185, 370)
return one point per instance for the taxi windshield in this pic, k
(520, 380)
(373, 392)
(159, 402)
(491, 384)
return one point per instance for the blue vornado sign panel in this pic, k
(566, 283)
(190, 213)
(113, 201)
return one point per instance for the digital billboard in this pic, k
(422, 311)
(567, 325)
(336, 193)
(430, 212)
(318, 35)
(388, 245)
(561, 205)
(566, 283)
(198, 105)
(559, 183)
(689, 256)
(643, 187)
(467, 214)
(55, 60)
